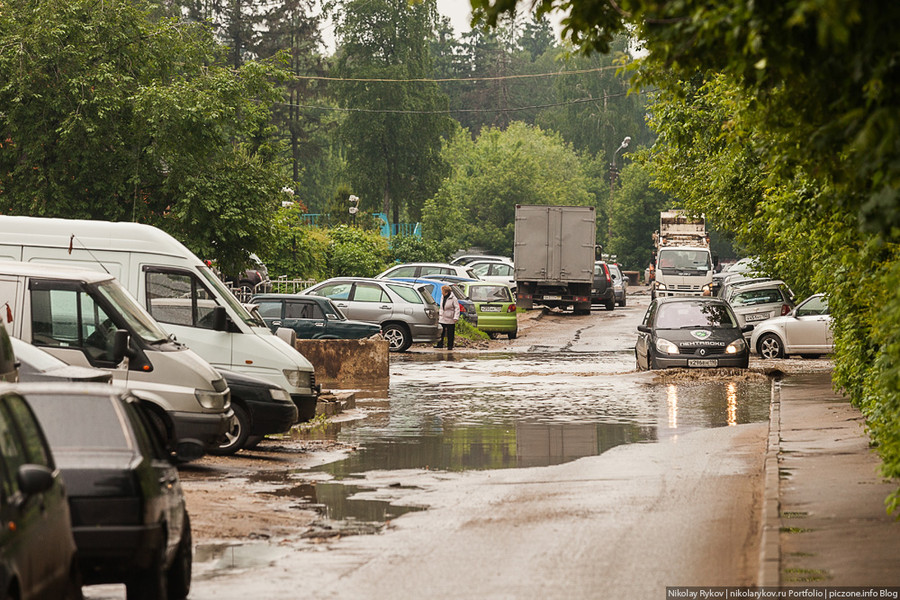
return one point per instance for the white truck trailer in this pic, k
(554, 256)
(684, 263)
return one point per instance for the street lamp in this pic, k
(354, 200)
(613, 175)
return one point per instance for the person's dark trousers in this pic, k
(448, 330)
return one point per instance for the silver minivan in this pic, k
(406, 312)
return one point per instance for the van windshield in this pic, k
(222, 292)
(139, 320)
(684, 259)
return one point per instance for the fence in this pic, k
(282, 285)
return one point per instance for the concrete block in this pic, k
(348, 363)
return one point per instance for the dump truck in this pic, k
(554, 256)
(684, 263)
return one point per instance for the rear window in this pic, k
(407, 293)
(489, 293)
(79, 422)
(751, 297)
(685, 315)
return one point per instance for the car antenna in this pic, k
(72, 241)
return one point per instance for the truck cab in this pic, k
(683, 271)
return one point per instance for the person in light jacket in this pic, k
(449, 315)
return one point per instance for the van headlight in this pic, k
(297, 378)
(210, 399)
(736, 346)
(659, 285)
(666, 347)
(280, 394)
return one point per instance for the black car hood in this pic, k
(700, 337)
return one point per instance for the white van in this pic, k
(86, 318)
(177, 288)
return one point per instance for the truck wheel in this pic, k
(236, 437)
(770, 346)
(399, 339)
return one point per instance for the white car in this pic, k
(806, 331)
(426, 269)
(495, 271)
(470, 258)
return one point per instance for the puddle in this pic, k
(339, 502)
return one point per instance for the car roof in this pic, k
(56, 271)
(674, 299)
(361, 279)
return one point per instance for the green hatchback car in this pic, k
(311, 317)
(495, 307)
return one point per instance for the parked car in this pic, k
(466, 306)
(495, 271)
(743, 268)
(406, 312)
(426, 270)
(311, 317)
(37, 549)
(619, 283)
(755, 300)
(128, 511)
(602, 291)
(806, 331)
(37, 365)
(256, 278)
(260, 408)
(451, 278)
(495, 306)
(469, 258)
(690, 331)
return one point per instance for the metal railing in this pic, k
(282, 285)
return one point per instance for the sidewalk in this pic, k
(825, 522)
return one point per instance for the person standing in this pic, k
(448, 316)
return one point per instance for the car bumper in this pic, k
(269, 417)
(110, 554)
(425, 333)
(707, 362)
(499, 323)
(306, 406)
(206, 428)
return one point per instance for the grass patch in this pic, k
(467, 331)
(805, 575)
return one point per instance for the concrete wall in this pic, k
(348, 363)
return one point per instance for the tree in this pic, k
(475, 205)
(107, 114)
(393, 129)
(634, 216)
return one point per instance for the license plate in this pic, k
(757, 317)
(489, 308)
(552, 297)
(703, 362)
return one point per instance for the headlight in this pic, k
(660, 286)
(210, 399)
(736, 346)
(297, 378)
(706, 290)
(666, 347)
(280, 394)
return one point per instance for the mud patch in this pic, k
(688, 376)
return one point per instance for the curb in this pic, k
(770, 544)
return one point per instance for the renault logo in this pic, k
(702, 352)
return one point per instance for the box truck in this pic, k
(177, 288)
(684, 263)
(86, 318)
(554, 256)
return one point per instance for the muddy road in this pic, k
(538, 467)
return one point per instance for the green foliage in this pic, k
(410, 248)
(634, 216)
(466, 330)
(356, 253)
(295, 251)
(475, 206)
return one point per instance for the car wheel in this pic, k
(610, 304)
(622, 303)
(770, 346)
(513, 334)
(236, 437)
(149, 583)
(253, 441)
(179, 584)
(811, 356)
(493, 335)
(397, 336)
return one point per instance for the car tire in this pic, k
(398, 337)
(493, 335)
(513, 334)
(770, 346)
(622, 303)
(810, 356)
(149, 583)
(236, 437)
(179, 575)
(253, 441)
(610, 304)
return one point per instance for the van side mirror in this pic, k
(747, 328)
(120, 345)
(643, 329)
(34, 479)
(219, 319)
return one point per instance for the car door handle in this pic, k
(276, 323)
(320, 324)
(385, 307)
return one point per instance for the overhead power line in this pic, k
(454, 79)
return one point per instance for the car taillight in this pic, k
(785, 309)
(608, 279)
(462, 308)
(511, 308)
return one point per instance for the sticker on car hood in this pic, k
(700, 334)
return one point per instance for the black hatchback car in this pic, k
(128, 511)
(690, 332)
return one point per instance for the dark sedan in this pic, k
(311, 317)
(259, 408)
(128, 511)
(690, 332)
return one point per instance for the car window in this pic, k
(81, 422)
(481, 269)
(407, 293)
(489, 293)
(303, 310)
(70, 318)
(598, 269)
(31, 434)
(369, 292)
(269, 309)
(751, 297)
(407, 271)
(335, 291)
(650, 314)
(501, 270)
(425, 292)
(813, 306)
(684, 315)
